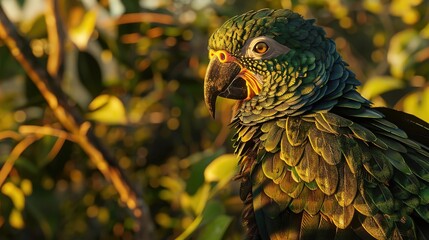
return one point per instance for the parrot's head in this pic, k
(274, 61)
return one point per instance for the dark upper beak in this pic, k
(221, 80)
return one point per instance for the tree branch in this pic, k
(72, 120)
(56, 36)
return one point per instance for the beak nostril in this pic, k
(211, 54)
(222, 56)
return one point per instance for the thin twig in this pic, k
(14, 155)
(72, 120)
(10, 134)
(56, 36)
(145, 17)
(44, 131)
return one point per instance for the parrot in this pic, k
(316, 160)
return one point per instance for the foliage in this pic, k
(136, 72)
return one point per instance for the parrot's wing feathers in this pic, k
(331, 174)
(415, 128)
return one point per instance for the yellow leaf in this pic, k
(374, 6)
(15, 219)
(185, 201)
(222, 167)
(200, 198)
(26, 187)
(107, 109)
(411, 16)
(417, 103)
(379, 85)
(81, 33)
(15, 194)
(171, 183)
(399, 7)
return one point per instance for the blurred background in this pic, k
(135, 70)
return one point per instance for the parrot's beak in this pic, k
(221, 80)
(226, 78)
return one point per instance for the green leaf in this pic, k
(222, 167)
(199, 161)
(90, 74)
(212, 210)
(378, 85)
(216, 229)
(190, 229)
(27, 165)
(44, 147)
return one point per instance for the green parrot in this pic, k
(316, 160)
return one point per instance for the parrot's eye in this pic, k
(260, 47)
(263, 48)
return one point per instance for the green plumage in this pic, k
(317, 162)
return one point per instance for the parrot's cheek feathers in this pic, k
(222, 80)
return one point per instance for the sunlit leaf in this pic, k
(171, 183)
(199, 200)
(107, 109)
(15, 219)
(401, 55)
(211, 211)
(26, 187)
(190, 229)
(199, 163)
(374, 6)
(378, 85)
(15, 194)
(222, 167)
(216, 229)
(417, 103)
(406, 10)
(186, 202)
(173, 186)
(81, 33)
